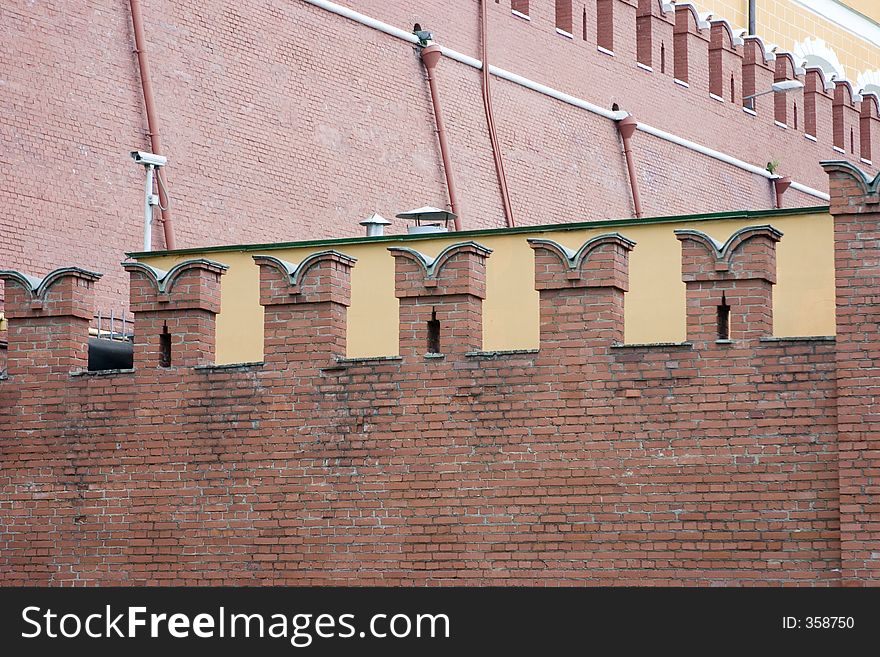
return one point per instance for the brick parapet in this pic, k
(602, 261)
(458, 269)
(725, 62)
(364, 457)
(748, 462)
(655, 24)
(869, 125)
(818, 110)
(855, 203)
(788, 107)
(305, 308)
(48, 321)
(581, 292)
(691, 47)
(441, 299)
(374, 141)
(175, 313)
(729, 286)
(852, 191)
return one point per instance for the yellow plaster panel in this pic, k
(655, 304)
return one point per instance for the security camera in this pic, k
(149, 159)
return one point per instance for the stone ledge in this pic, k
(230, 366)
(367, 359)
(101, 372)
(501, 352)
(653, 345)
(807, 338)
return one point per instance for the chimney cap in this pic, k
(427, 213)
(375, 219)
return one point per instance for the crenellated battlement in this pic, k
(746, 458)
(729, 285)
(440, 299)
(556, 77)
(175, 312)
(305, 307)
(48, 321)
(708, 55)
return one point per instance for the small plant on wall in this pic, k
(780, 183)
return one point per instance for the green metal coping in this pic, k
(468, 234)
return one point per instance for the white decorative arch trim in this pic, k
(815, 52)
(869, 81)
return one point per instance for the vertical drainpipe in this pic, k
(626, 127)
(490, 116)
(430, 57)
(752, 18)
(152, 122)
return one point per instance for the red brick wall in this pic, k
(741, 461)
(855, 202)
(282, 121)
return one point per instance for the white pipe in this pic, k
(558, 95)
(809, 190)
(363, 19)
(148, 209)
(723, 157)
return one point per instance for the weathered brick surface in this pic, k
(585, 462)
(182, 305)
(856, 204)
(448, 289)
(282, 121)
(49, 322)
(304, 309)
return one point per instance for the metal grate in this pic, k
(113, 326)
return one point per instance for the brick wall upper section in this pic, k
(584, 462)
(282, 121)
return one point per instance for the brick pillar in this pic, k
(582, 291)
(305, 308)
(738, 275)
(175, 313)
(757, 74)
(655, 23)
(691, 48)
(869, 126)
(845, 118)
(818, 111)
(725, 62)
(441, 299)
(49, 321)
(855, 204)
(786, 107)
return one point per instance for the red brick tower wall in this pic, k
(282, 121)
(855, 202)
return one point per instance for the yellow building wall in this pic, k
(785, 23)
(655, 304)
(869, 8)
